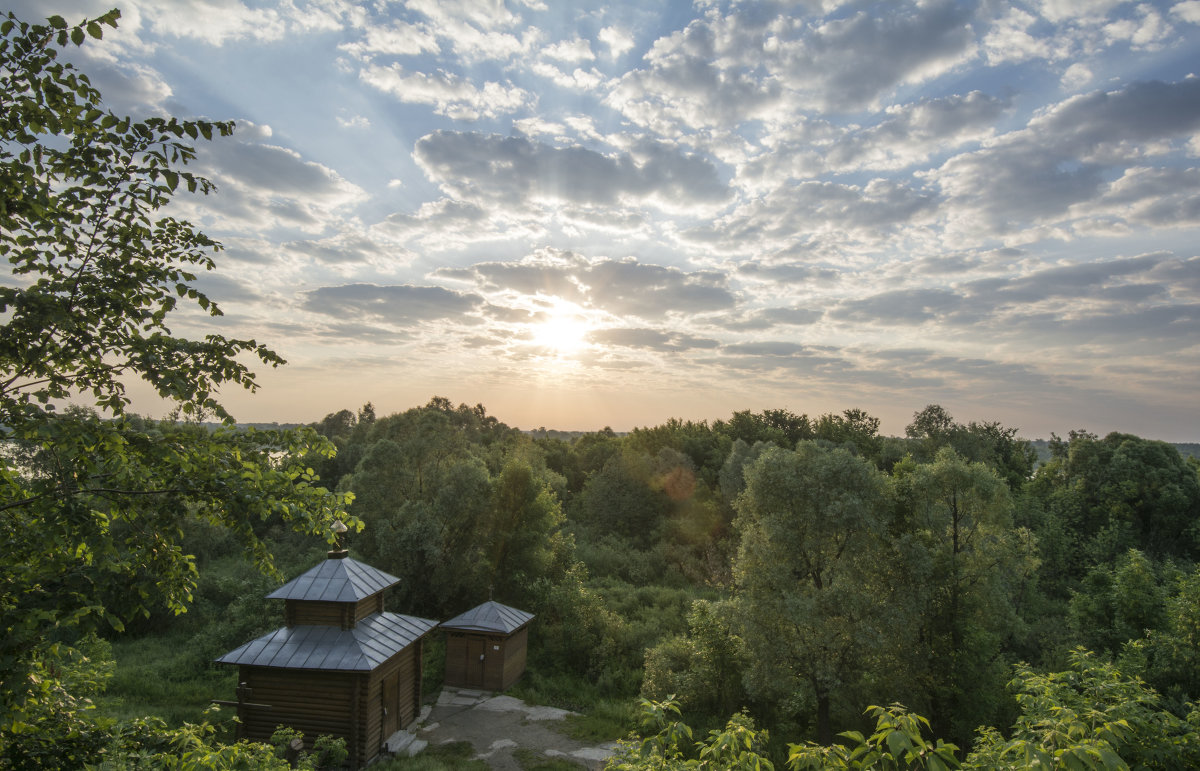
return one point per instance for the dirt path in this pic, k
(497, 725)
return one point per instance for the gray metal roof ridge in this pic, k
(491, 616)
(373, 641)
(336, 580)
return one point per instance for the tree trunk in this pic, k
(824, 727)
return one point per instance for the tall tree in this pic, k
(965, 564)
(89, 507)
(811, 526)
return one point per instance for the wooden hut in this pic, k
(341, 666)
(485, 647)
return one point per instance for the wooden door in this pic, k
(390, 704)
(475, 659)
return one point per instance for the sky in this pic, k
(588, 214)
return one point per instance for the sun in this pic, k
(564, 332)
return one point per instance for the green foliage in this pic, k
(807, 603)
(963, 567)
(898, 742)
(1120, 492)
(148, 745)
(933, 429)
(327, 752)
(577, 632)
(57, 727)
(451, 756)
(90, 508)
(1089, 717)
(668, 744)
(530, 760)
(1169, 656)
(1116, 604)
(703, 668)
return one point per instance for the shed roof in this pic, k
(336, 580)
(373, 641)
(489, 617)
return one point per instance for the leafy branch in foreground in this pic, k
(91, 508)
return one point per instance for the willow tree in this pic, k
(966, 565)
(807, 597)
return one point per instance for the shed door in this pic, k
(390, 704)
(475, 659)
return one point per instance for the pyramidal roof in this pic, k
(336, 580)
(489, 617)
(373, 641)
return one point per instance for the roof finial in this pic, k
(338, 528)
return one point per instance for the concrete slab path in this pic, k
(496, 726)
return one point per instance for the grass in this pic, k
(451, 756)
(601, 719)
(159, 676)
(533, 761)
(608, 720)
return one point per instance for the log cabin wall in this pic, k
(315, 613)
(456, 660)
(314, 703)
(368, 605)
(404, 671)
(514, 657)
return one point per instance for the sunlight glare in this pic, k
(564, 332)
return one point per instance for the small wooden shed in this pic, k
(341, 666)
(485, 647)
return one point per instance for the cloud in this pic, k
(475, 29)
(508, 170)
(900, 306)
(650, 339)
(570, 51)
(401, 305)
(618, 39)
(787, 273)
(848, 213)
(578, 79)
(448, 94)
(905, 136)
(723, 71)
(262, 186)
(397, 38)
(619, 287)
(1009, 40)
(1188, 10)
(769, 318)
(1061, 159)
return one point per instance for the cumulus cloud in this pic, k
(401, 305)
(650, 339)
(906, 135)
(619, 287)
(448, 94)
(512, 169)
(398, 38)
(618, 39)
(1188, 10)
(1060, 160)
(744, 66)
(807, 210)
(571, 51)
(262, 185)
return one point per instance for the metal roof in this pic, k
(336, 580)
(376, 639)
(489, 617)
